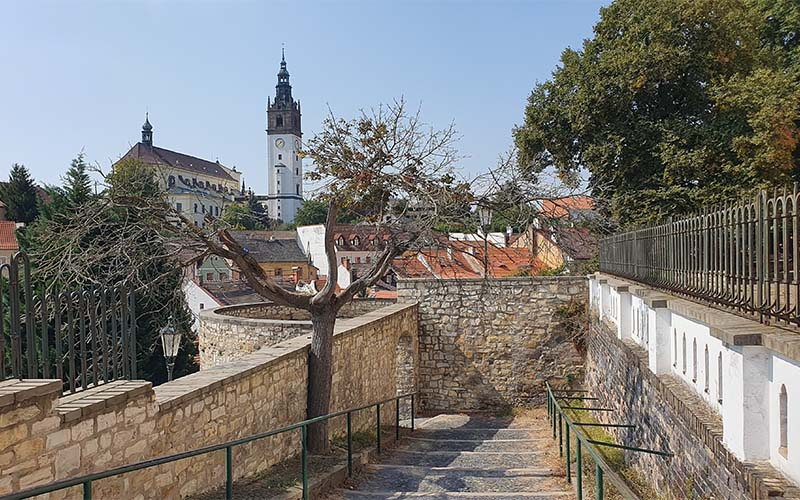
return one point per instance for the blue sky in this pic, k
(80, 75)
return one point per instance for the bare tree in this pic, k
(385, 164)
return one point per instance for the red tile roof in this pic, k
(561, 207)
(464, 260)
(8, 236)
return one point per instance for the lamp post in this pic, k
(485, 216)
(171, 343)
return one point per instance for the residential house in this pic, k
(8, 241)
(278, 253)
(560, 237)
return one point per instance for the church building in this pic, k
(195, 187)
(284, 165)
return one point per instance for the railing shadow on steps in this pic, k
(86, 480)
(563, 427)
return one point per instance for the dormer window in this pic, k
(171, 181)
(340, 242)
(356, 241)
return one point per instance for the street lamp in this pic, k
(171, 343)
(485, 216)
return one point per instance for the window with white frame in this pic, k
(683, 347)
(783, 403)
(706, 375)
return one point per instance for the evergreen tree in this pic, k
(77, 184)
(101, 259)
(19, 195)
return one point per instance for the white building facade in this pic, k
(195, 187)
(284, 164)
(746, 372)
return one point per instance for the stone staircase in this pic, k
(467, 457)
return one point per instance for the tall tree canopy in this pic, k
(19, 195)
(673, 105)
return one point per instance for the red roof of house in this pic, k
(464, 260)
(8, 236)
(560, 207)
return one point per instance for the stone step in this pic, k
(481, 434)
(404, 478)
(506, 445)
(469, 459)
(499, 495)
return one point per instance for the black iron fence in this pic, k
(743, 256)
(83, 336)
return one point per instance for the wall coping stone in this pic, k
(411, 282)
(99, 398)
(15, 391)
(197, 384)
(730, 328)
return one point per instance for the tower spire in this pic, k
(147, 131)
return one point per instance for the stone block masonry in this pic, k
(44, 437)
(490, 344)
(228, 333)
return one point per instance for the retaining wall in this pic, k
(45, 437)
(490, 344)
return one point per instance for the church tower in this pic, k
(284, 165)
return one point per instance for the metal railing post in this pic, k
(598, 475)
(560, 437)
(578, 468)
(349, 444)
(87, 490)
(397, 419)
(569, 472)
(228, 473)
(412, 412)
(378, 425)
(304, 459)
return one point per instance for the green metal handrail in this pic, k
(563, 426)
(86, 480)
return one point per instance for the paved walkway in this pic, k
(468, 457)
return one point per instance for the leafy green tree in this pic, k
(311, 212)
(242, 217)
(315, 211)
(19, 195)
(672, 106)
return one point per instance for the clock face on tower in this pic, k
(280, 143)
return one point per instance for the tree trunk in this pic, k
(320, 371)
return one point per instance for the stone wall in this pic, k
(227, 333)
(44, 437)
(491, 344)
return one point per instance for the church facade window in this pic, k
(179, 207)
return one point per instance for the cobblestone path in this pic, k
(468, 457)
